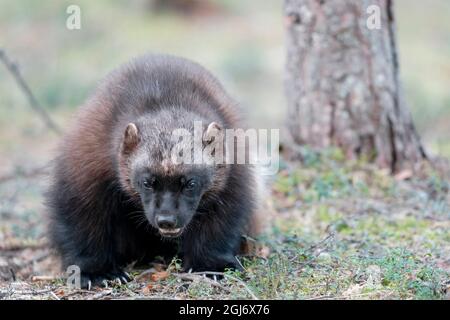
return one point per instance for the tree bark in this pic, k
(342, 82)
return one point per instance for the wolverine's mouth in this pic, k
(170, 233)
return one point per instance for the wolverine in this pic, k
(118, 197)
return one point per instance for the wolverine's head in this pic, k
(170, 191)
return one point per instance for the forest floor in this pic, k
(337, 230)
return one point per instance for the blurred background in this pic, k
(242, 42)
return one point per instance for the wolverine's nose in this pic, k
(166, 222)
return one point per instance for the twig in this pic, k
(19, 244)
(37, 259)
(320, 243)
(43, 278)
(192, 277)
(14, 70)
(347, 296)
(145, 273)
(101, 294)
(312, 248)
(153, 298)
(254, 297)
(75, 292)
(11, 291)
(54, 295)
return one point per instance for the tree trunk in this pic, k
(342, 82)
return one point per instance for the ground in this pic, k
(336, 230)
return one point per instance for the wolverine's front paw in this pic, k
(90, 280)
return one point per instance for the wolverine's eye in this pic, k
(148, 183)
(191, 184)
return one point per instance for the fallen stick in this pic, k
(193, 277)
(54, 295)
(43, 278)
(254, 297)
(19, 244)
(14, 70)
(101, 295)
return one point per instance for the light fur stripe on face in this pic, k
(167, 166)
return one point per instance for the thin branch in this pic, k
(25, 264)
(54, 295)
(193, 277)
(254, 297)
(14, 70)
(101, 294)
(44, 278)
(14, 244)
(321, 242)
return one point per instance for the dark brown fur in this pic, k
(94, 200)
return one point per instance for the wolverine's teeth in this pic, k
(169, 231)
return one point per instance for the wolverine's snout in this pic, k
(164, 221)
(168, 225)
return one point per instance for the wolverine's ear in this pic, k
(130, 138)
(212, 133)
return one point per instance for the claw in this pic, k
(105, 283)
(190, 270)
(118, 281)
(89, 285)
(124, 279)
(128, 276)
(215, 278)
